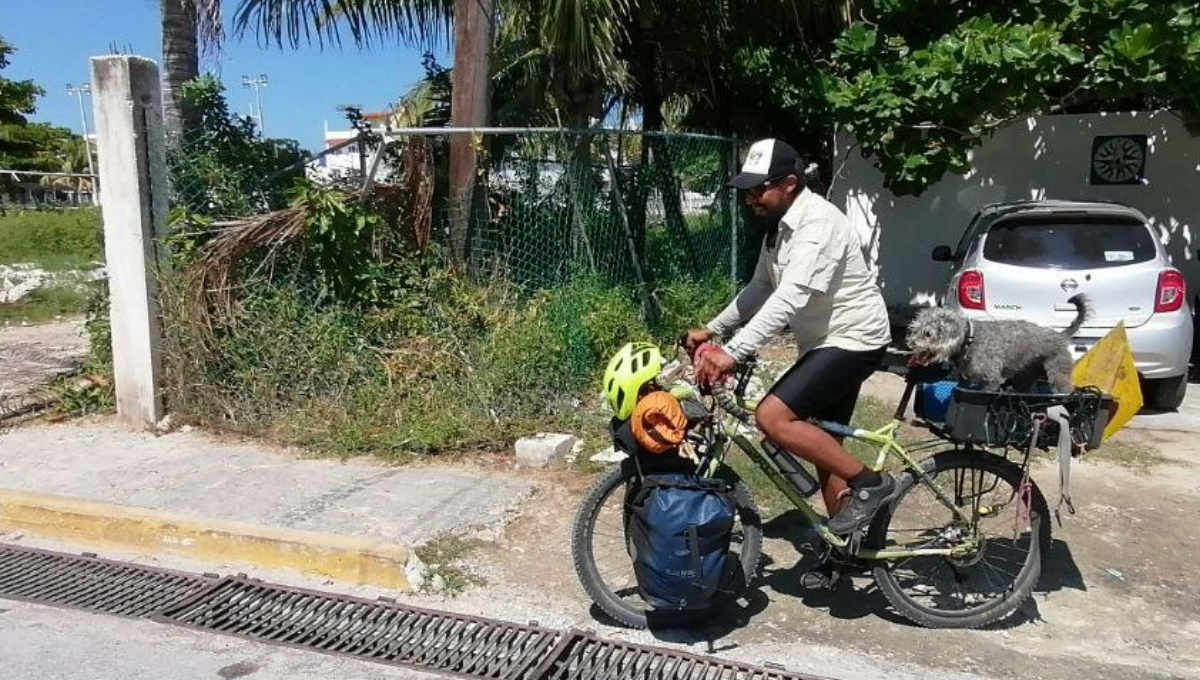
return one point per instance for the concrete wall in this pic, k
(1043, 157)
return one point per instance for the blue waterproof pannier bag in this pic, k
(678, 531)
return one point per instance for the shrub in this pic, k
(52, 239)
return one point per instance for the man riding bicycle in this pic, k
(811, 276)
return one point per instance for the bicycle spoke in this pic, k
(966, 585)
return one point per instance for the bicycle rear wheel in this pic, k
(598, 547)
(1007, 519)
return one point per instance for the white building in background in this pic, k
(550, 172)
(348, 160)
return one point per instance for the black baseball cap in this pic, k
(767, 161)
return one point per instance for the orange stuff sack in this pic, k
(659, 423)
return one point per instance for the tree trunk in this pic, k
(470, 94)
(181, 63)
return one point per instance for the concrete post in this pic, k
(133, 171)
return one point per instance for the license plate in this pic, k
(1081, 346)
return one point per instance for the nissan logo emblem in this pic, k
(1068, 285)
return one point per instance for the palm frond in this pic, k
(419, 107)
(295, 22)
(209, 27)
(584, 33)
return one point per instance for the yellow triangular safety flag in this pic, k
(1109, 367)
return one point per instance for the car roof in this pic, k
(995, 211)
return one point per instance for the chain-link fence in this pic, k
(545, 204)
(34, 190)
(634, 208)
(549, 204)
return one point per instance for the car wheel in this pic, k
(1165, 394)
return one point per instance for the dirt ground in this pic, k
(1118, 598)
(31, 355)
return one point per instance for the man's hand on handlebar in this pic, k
(694, 338)
(711, 364)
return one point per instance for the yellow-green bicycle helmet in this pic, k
(632, 366)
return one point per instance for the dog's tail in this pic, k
(1083, 310)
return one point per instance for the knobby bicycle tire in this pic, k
(1030, 530)
(631, 611)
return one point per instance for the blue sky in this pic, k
(55, 38)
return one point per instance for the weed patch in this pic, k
(462, 365)
(446, 571)
(91, 389)
(54, 240)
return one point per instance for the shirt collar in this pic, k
(803, 200)
(791, 218)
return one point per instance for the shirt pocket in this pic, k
(783, 250)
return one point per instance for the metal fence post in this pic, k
(131, 147)
(731, 206)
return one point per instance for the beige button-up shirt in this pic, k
(814, 280)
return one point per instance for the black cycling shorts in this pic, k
(824, 383)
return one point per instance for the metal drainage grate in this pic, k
(590, 658)
(374, 631)
(91, 583)
(379, 631)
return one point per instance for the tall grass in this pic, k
(44, 304)
(55, 240)
(455, 365)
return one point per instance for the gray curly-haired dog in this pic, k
(997, 352)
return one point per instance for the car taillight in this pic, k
(1172, 291)
(970, 290)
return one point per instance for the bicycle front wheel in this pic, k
(602, 561)
(999, 543)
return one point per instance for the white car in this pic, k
(1024, 260)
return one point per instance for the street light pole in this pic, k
(257, 83)
(78, 93)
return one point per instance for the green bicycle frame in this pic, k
(885, 440)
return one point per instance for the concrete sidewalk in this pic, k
(214, 499)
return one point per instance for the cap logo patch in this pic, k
(758, 159)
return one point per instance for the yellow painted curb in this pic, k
(343, 558)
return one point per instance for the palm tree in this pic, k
(188, 27)
(70, 158)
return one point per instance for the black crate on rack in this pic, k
(999, 419)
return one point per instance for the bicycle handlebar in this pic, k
(727, 403)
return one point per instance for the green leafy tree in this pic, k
(36, 147)
(18, 99)
(225, 168)
(919, 83)
(70, 155)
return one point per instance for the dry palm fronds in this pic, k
(211, 279)
(406, 207)
(416, 181)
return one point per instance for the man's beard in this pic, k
(767, 220)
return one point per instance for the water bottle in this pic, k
(792, 468)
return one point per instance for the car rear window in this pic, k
(1069, 245)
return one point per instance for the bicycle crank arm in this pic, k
(893, 554)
